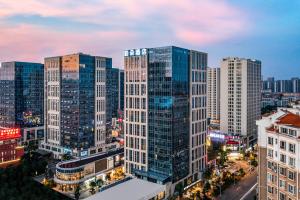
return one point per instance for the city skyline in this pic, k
(267, 31)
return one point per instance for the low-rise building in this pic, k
(132, 189)
(10, 151)
(279, 155)
(70, 174)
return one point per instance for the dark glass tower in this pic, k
(77, 102)
(21, 94)
(168, 93)
(116, 91)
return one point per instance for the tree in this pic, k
(99, 182)
(206, 188)
(223, 157)
(179, 188)
(77, 192)
(241, 172)
(66, 156)
(92, 187)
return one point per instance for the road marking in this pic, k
(253, 187)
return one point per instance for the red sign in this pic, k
(7, 134)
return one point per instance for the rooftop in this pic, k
(134, 189)
(290, 119)
(87, 160)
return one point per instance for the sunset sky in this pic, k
(260, 29)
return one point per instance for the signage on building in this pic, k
(135, 52)
(83, 153)
(67, 151)
(7, 134)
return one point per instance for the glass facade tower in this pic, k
(168, 93)
(76, 102)
(165, 114)
(22, 96)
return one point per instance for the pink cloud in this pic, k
(32, 43)
(188, 22)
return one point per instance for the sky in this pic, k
(266, 30)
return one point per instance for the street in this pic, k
(236, 192)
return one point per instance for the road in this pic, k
(236, 192)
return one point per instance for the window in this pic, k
(270, 153)
(270, 140)
(282, 171)
(283, 158)
(291, 175)
(292, 148)
(283, 130)
(270, 189)
(291, 189)
(292, 132)
(282, 183)
(282, 196)
(282, 145)
(292, 161)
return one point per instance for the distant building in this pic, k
(278, 148)
(22, 98)
(165, 114)
(213, 94)
(269, 84)
(76, 95)
(283, 86)
(295, 85)
(10, 151)
(240, 97)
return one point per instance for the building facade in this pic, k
(240, 98)
(76, 103)
(21, 99)
(10, 150)
(213, 94)
(278, 147)
(165, 114)
(117, 90)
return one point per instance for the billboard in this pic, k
(8, 134)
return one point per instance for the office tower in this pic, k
(213, 94)
(240, 97)
(269, 84)
(117, 90)
(165, 114)
(278, 148)
(21, 98)
(295, 85)
(75, 103)
(283, 86)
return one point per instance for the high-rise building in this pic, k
(117, 91)
(213, 94)
(22, 98)
(76, 104)
(165, 114)
(240, 97)
(295, 85)
(269, 84)
(283, 86)
(278, 158)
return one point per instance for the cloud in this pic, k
(127, 23)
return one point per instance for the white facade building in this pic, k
(240, 97)
(213, 94)
(278, 141)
